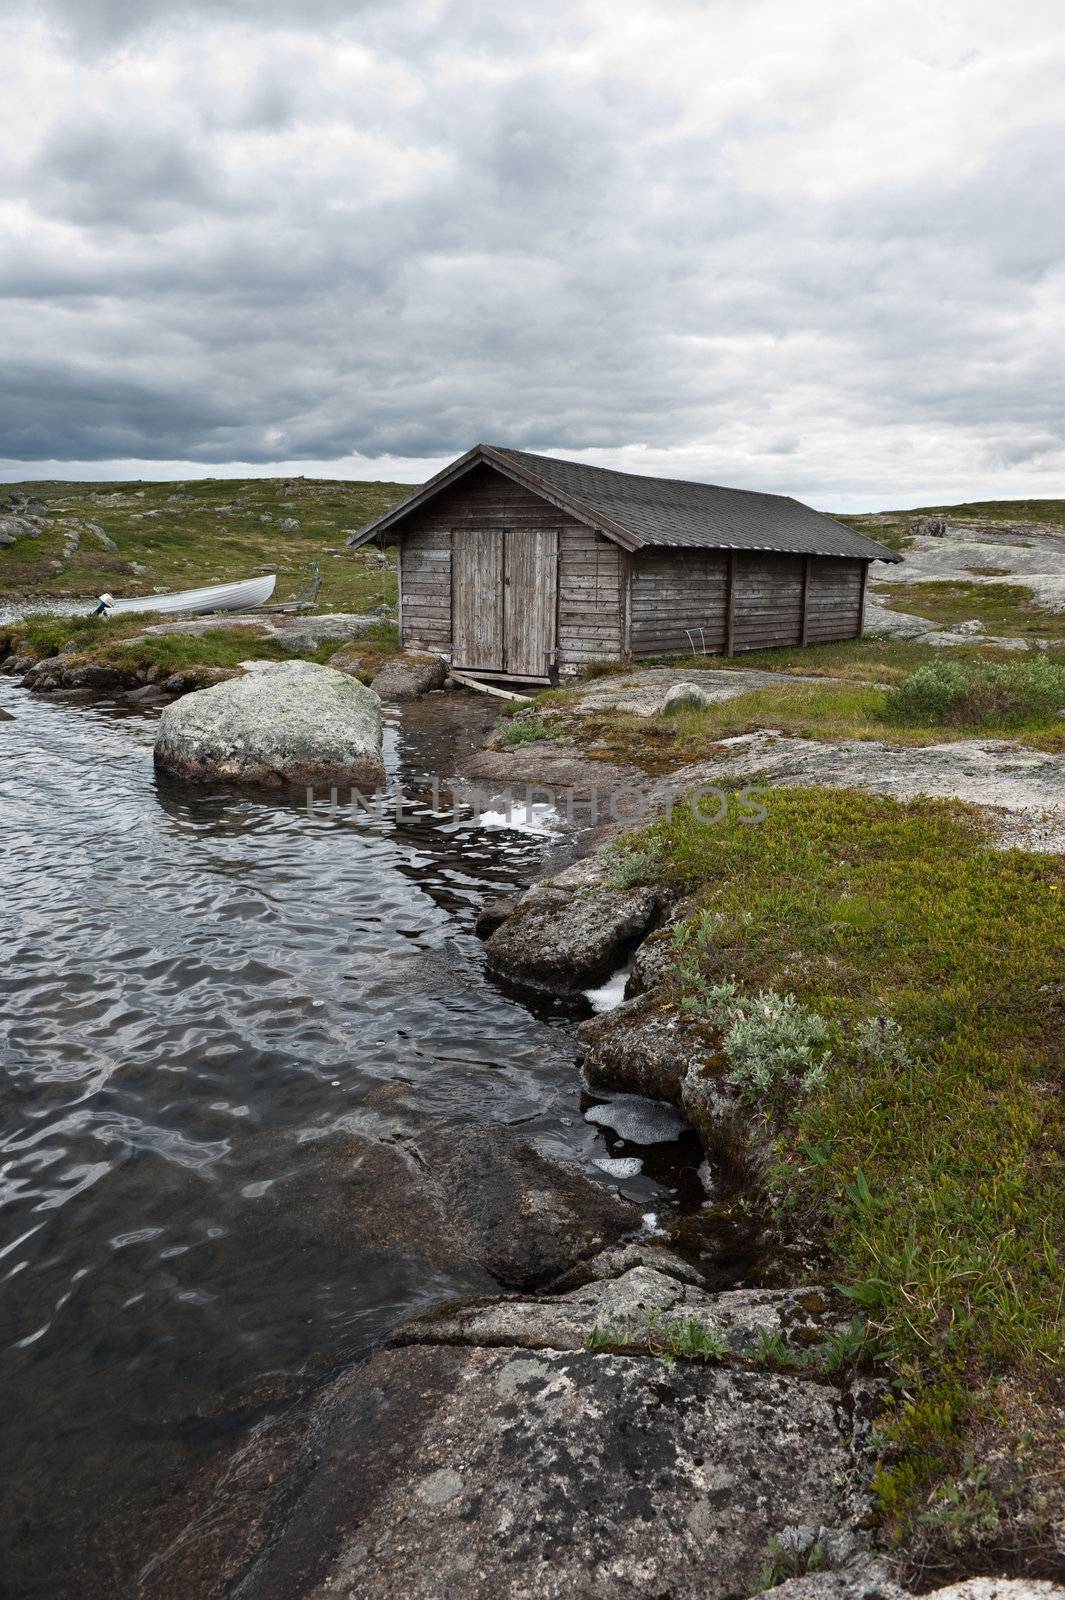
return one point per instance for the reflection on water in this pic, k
(198, 989)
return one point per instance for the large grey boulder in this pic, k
(436, 1472)
(299, 724)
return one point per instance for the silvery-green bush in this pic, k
(774, 1042)
(880, 1042)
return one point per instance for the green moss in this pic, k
(933, 1165)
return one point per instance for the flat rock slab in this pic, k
(294, 632)
(642, 692)
(875, 1580)
(434, 1471)
(307, 633)
(636, 1309)
(260, 627)
(1030, 555)
(479, 1206)
(1026, 786)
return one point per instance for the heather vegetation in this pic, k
(887, 993)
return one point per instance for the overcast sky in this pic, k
(815, 246)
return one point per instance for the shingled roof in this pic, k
(635, 511)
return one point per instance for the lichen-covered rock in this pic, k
(654, 964)
(350, 659)
(407, 677)
(307, 633)
(559, 941)
(494, 913)
(96, 675)
(44, 675)
(192, 678)
(635, 1312)
(645, 1045)
(523, 1475)
(299, 724)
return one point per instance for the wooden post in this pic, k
(805, 597)
(730, 604)
(625, 599)
(861, 600)
(400, 546)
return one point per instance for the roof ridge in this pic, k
(639, 477)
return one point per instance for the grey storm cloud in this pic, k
(822, 255)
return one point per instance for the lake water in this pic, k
(198, 989)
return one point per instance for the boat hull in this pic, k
(240, 596)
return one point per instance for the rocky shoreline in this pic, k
(608, 1421)
(664, 1416)
(627, 1410)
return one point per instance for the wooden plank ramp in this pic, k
(489, 688)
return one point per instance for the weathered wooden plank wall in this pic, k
(768, 600)
(590, 599)
(674, 591)
(834, 602)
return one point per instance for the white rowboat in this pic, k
(240, 596)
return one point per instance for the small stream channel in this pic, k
(197, 988)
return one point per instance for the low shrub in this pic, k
(770, 1042)
(526, 727)
(1030, 690)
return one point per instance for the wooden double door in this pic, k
(504, 587)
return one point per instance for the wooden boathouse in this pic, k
(523, 566)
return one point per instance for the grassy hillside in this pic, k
(1050, 513)
(893, 527)
(177, 535)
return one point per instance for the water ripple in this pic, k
(198, 989)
